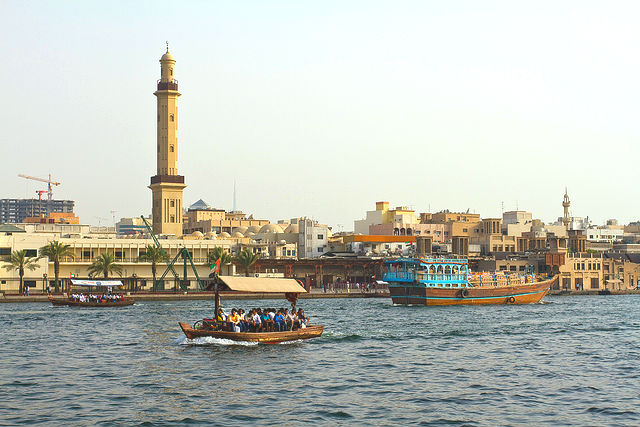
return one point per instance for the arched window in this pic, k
(171, 148)
(409, 232)
(171, 117)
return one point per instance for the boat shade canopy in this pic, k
(112, 283)
(261, 284)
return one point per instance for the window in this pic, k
(119, 254)
(464, 230)
(31, 252)
(5, 251)
(172, 203)
(171, 148)
(171, 117)
(320, 236)
(172, 218)
(512, 268)
(320, 249)
(293, 253)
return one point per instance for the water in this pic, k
(569, 361)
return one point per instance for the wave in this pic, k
(212, 341)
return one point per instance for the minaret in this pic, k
(167, 185)
(565, 204)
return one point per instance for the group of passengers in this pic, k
(82, 297)
(262, 320)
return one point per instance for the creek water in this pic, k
(565, 361)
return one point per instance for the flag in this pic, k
(216, 267)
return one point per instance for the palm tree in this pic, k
(18, 260)
(154, 255)
(54, 251)
(246, 258)
(105, 264)
(221, 254)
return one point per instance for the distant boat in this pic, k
(95, 287)
(214, 329)
(447, 281)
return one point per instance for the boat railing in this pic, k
(399, 275)
(500, 279)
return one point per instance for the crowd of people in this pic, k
(96, 298)
(260, 320)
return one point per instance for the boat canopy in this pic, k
(95, 283)
(261, 284)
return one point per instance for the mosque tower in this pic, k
(566, 219)
(167, 185)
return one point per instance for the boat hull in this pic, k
(70, 303)
(260, 337)
(415, 294)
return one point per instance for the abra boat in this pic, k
(435, 281)
(93, 286)
(212, 328)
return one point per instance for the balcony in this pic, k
(173, 179)
(172, 85)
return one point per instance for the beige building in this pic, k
(205, 219)
(167, 185)
(87, 243)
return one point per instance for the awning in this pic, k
(261, 284)
(112, 283)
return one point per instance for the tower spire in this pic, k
(234, 195)
(566, 219)
(167, 42)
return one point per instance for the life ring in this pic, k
(511, 300)
(198, 325)
(464, 293)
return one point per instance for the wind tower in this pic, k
(566, 219)
(167, 184)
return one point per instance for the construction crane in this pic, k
(184, 253)
(48, 181)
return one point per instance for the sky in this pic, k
(320, 109)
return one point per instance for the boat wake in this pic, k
(212, 341)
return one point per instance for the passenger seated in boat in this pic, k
(255, 324)
(279, 321)
(267, 322)
(289, 319)
(303, 320)
(243, 321)
(234, 321)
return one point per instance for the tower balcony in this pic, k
(172, 179)
(171, 85)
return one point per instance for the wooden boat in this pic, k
(441, 281)
(261, 337)
(91, 286)
(290, 287)
(73, 303)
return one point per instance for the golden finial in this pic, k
(167, 42)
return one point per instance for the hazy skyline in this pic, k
(322, 109)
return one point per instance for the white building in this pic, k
(604, 234)
(312, 238)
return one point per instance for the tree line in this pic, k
(106, 263)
